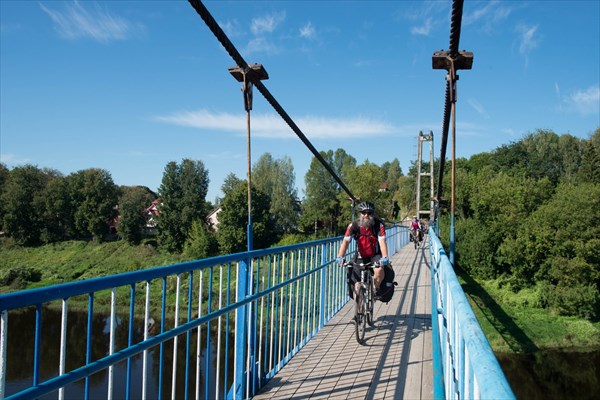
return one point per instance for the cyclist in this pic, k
(415, 227)
(369, 233)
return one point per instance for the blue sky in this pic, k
(130, 85)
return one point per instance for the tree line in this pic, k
(527, 215)
(40, 205)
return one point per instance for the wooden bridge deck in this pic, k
(396, 361)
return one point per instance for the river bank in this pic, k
(511, 321)
(543, 355)
(514, 323)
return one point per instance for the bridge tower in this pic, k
(421, 173)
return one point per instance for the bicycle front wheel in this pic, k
(370, 303)
(361, 315)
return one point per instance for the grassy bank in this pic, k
(28, 268)
(513, 323)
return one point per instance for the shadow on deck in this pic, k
(395, 362)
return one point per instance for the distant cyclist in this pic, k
(369, 233)
(415, 228)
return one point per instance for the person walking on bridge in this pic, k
(369, 233)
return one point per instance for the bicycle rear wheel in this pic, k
(360, 314)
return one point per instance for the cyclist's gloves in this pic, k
(384, 261)
(340, 260)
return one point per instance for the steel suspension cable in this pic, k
(239, 60)
(455, 27)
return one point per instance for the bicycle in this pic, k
(364, 298)
(414, 234)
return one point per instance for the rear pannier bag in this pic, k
(386, 289)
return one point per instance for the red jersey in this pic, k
(366, 239)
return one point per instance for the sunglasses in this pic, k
(366, 212)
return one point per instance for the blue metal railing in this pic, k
(243, 335)
(465, 366)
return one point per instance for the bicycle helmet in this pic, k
(366, 206)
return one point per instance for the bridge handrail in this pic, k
(470, 369)
(292, 292)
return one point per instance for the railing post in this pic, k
(324, 251)
(241, 337)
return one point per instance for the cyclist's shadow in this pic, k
(414, 324)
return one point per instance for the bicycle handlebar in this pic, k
(370, 264)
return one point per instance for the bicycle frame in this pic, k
(364, 299)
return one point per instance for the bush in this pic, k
(581, 300)
(18, 277)
(293, 238)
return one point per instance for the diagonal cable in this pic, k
(239, 60)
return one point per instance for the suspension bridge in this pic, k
(264, 323)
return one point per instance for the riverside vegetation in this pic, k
(508, 320)
(527, 250)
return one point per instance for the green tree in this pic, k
(4, 174)
(21, 198)
(183, 200)
(276, 179)
(570, 151)
(406, 194)
(93, 199)
(392, 173)
(233, 220)
(201, 242)
(501, 204)
(230, 183)
(559, 252)
(57, 212)
(132, 206)
(321, 206)
(365, 181)
(169, 192)
(590, 168)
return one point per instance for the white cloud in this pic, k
(261, 45)
(11, 159)
(428, 16)
(488, 16)
(477, 106)
(585, 102)
(528, 39)
(557, 90)
(273, 127)
(78, 22)
(424, 29)
(231, 28)
(266, 24)
(308, 31)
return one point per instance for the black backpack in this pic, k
(386, 289)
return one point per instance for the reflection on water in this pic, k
(553, 374)
(20, 349)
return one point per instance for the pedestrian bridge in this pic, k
(271, 323)
(396, 361)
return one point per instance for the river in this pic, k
(553, 374)
(20, 349)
